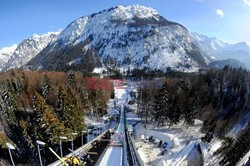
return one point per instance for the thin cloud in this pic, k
(220, 13)
(247, 2)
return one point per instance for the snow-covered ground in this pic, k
(99, 70)
(92, 120)
(183, 145)
(148, 152)
(245, 160)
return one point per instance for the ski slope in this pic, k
(120, 128)
(114, 154)
(112, 157)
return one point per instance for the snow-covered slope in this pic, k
(28, 49)
(239, 51)
(219, 50)
(5, 54)
(133, 36)
(209, 44)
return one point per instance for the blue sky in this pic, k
(228, 20)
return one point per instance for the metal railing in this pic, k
(82, 149)
(136, 159)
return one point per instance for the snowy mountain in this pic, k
(5, 54)
(121, 37)
(210, 44)
(239, 51)
(220, 50)
(28, 49)
(242, 46)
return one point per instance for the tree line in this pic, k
(44, 106)
(220, 98)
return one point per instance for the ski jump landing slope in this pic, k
(114, 154)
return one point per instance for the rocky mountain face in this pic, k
(122, 37)
(210, 44)
(5, 54)
(28, 49)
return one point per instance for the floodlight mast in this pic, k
(38, 148)
(10, 147)
(62, 138)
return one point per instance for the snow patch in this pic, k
(100, 70)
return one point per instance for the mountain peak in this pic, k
(135, 10)
(123, 36)
(28, 48)
(8, 49)
(241, 46)
(5, 54)
(209, 44)
(134, 16)
(36, 36)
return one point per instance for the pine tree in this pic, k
(69, 111)
(18, 86)
(100, 104)
(25, 82)
(9, 86)
(47, 125)
(160, 107)
(60, 103)
(85, 100)
(174, 111)
(71, 78)
(46, 87)
(239, 149)
(209, 135)
(8, 104)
